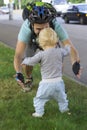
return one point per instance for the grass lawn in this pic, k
(16, 107)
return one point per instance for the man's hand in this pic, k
(77, 69)
(20, 79)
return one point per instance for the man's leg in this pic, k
(28, 69)
(28, 73)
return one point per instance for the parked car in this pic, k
(76, 12)
(4, 10)
(60, 5)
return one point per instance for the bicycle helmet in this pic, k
(40, 12)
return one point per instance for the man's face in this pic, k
(38, 27)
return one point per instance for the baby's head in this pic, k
(47, 38)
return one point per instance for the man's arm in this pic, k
(73, 52)
(75, 60)
(19, 52)
(64, 38)
(20, 49)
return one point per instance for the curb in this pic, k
(85, 85)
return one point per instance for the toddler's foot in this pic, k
(26, 89)
(37, 115)
(66, 111)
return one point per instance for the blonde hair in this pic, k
(47, 37)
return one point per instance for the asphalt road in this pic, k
(78, 36)
(77, 33)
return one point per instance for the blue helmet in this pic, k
(40, 12)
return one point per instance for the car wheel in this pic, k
(66, 19)
(82, 21)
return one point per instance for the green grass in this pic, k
(16, 107)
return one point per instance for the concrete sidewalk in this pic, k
(17, 18)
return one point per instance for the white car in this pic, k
(60, 6)
(4, 10)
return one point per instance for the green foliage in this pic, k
(24, 2)
(1, 2)
(6, 63)
(76, 1)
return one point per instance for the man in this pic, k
(40, 15)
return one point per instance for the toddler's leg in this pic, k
(41, 98)
(61, 97)
(39, 105)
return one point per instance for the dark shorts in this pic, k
(31, 51)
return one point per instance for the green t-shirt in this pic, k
(25, 31)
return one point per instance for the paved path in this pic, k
(10, 27)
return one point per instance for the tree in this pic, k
(76, 1)
(23, 2)
(1, 2)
